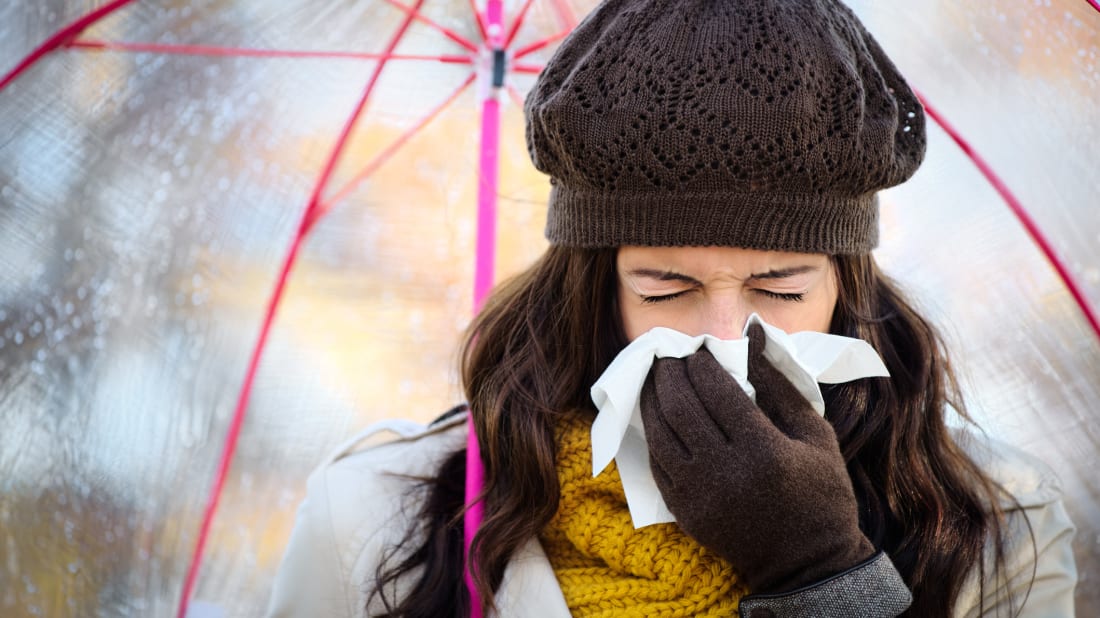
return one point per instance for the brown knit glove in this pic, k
(763, 485)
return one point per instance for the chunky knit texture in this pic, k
(605, 567)
(768, 124)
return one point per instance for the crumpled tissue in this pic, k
(806, 358)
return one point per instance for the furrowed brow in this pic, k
(783, 273)
(664, 275)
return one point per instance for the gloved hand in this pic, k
(763, 485)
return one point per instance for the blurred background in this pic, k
(147, 200)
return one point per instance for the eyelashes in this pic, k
(790, 297)
(796, 297)
(652, 300)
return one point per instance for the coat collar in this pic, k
(529, 582)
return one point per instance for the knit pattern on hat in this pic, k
(768, 124)
(605, 567)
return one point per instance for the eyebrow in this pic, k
(783, 273)
(668, 275)
(664, 275)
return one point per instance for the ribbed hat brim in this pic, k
(809, 224)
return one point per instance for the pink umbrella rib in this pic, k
(309, 217)
(212, 50)
(1022, 215)
(450, 34)
(565, 13)
(532, 69)
(516, 97)
(385, 155)
(537, 45)
(60, 37)
(481, 18)
(516, 23)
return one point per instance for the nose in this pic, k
(726, 319)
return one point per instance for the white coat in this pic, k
(357, 506)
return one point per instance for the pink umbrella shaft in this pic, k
(475, 479)
(487, 200)
(483, 281)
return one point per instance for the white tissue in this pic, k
(806, 358)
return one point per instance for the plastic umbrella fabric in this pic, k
(263, 120)
(158, 163)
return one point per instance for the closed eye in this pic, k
(664, 298)
(790, 297)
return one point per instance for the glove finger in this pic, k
(757, 341)
(728, 405)
(780, 399)
(663, 480)
(664, 444)
(681, 408)
(666, 451)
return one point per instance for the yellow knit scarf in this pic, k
(605, 567)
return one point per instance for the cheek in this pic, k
(637, 319)
(816, 313)
(813, 315)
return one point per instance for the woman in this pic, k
(709, 160)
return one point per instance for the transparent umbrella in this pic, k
(164, 166)
(158, 163)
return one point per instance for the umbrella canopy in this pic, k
(157, 166)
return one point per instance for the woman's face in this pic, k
(713, 290)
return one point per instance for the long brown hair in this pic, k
(545, 337)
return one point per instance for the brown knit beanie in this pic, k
(765, 124)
